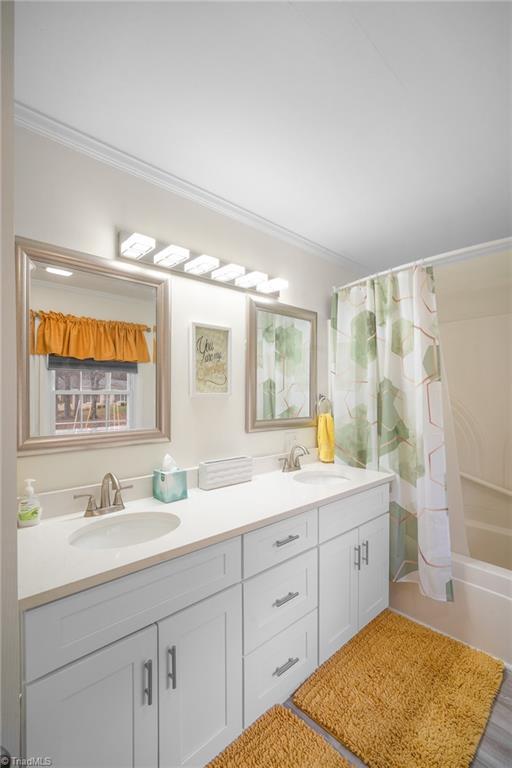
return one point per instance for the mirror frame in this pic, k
(256, 425)
(31, 250)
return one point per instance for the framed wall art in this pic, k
(210, 360)
(281, 366)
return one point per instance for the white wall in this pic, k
(68, 199)
(9, 641)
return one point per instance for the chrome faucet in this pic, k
(108, 479)
(292, 462)
(105, 504)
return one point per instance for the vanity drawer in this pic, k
(276, 669)
(276, 598)
(343, 515)
(275, 543)
(74, 626)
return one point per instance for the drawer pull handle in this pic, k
(171, 667)
(285, 667)
(286, 599)
(357, 561)
(288, 540)
(366, 552)
(148, 691)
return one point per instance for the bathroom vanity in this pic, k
(162, 655)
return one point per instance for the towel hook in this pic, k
(324, 405)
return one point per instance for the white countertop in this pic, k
(49, 567)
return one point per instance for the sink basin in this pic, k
(124, 530)
(320, 477)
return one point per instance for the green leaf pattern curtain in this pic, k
(386, 386)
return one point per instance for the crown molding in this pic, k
(37, 122)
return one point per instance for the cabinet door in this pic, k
(99, 711)
(374, 573)
(338, 593)
(200, 680)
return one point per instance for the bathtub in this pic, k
(481, 614)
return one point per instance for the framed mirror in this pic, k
(93, 351)
(281, 366)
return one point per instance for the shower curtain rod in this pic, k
(484, 249)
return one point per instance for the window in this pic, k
(86, 400)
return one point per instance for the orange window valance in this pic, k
(86, 337)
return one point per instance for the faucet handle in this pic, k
(118, 501)
(91, 504)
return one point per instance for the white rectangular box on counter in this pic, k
(221, 472)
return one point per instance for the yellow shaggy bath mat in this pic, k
(279, 739)
(399, 695)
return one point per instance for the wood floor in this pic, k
(494, 751)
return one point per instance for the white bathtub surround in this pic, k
(387, 398)
(51, 568)
(475, 313)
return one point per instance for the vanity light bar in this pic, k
(272, 286)
(148, 252)
(251, 279)
(202, 264)
(136, 246)
(228, 272)
(171, 256)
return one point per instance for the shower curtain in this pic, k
(387, 396)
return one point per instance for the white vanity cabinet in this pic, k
(373, 572)
(274, 670)
(200, 680)
(164, 667)
(110, 701)
(338, 617)
(353, 567)
(99, 711)
(280, 563)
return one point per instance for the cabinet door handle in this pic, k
(366, 552)
(285, 667)
(148, 690)
(171, 667)
(357, 561)
(288, 540)
(286, 599)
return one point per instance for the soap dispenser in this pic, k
(29, 507)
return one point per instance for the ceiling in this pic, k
(380, 131)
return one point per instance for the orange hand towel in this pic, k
(325, 437)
